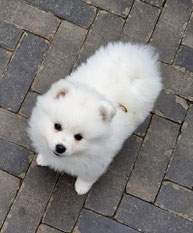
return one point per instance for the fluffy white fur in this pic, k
(87, 102)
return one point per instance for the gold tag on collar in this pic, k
(123, 108)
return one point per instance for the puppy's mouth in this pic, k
(58, 155)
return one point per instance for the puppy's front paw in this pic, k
(40, 160)
(82, 186)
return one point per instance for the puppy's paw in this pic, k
(40, 160)
(82, 187)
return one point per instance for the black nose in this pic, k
(60, 148)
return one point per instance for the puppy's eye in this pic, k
(78, 137)
(58, 127)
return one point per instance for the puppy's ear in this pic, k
(60, 88)
(107, 111)
(61, 93)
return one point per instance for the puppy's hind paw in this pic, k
(40, 160)
(82, 187)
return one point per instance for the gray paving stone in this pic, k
(107, 192)
(171, 106)
(170, 27)
(177, 81)
(181, 167)
(13, 127)
(142, 129)
(4, 59)
(28, 17)
(158, 3)
(9, 35)
(64, 206)
(28, 104)
(105, 28)
(150, 219)
(188, 38)
(21, 71)
(14, 159)
(46, 229)
(75, 11)
(185, 58)
(153, 159)
(8, 186)
(61, 55)
(140, 23)
(176, 199)
(92, 222)
(31, 201)
(120, 7)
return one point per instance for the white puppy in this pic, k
(80, 124)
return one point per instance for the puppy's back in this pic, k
(124, 73)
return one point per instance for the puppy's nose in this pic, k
(60, 148)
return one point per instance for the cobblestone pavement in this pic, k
(149, 186)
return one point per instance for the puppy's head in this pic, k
(72, 119)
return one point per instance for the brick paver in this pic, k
(153, 159)
(46, 229)
(75, 11)
(105, 28)
(170, 28)
(28, 104)
(64, 206)
(91, 222)
(4, 59)
(14, 159)
(188, 38)
(142, 129)
(168, 195)
(27, 17)
(185, 58)
(120, 7)
(13, 127)
(9, 186)
(149, 186)
(181, 167)
(148, 218)
(106, 193)
(156, 2)
(171, 106)
(23, 66)
(61, 55)
(31, 201)
(140, 23)
(9, 35)
(179, 82)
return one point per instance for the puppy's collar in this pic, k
(123, 107)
